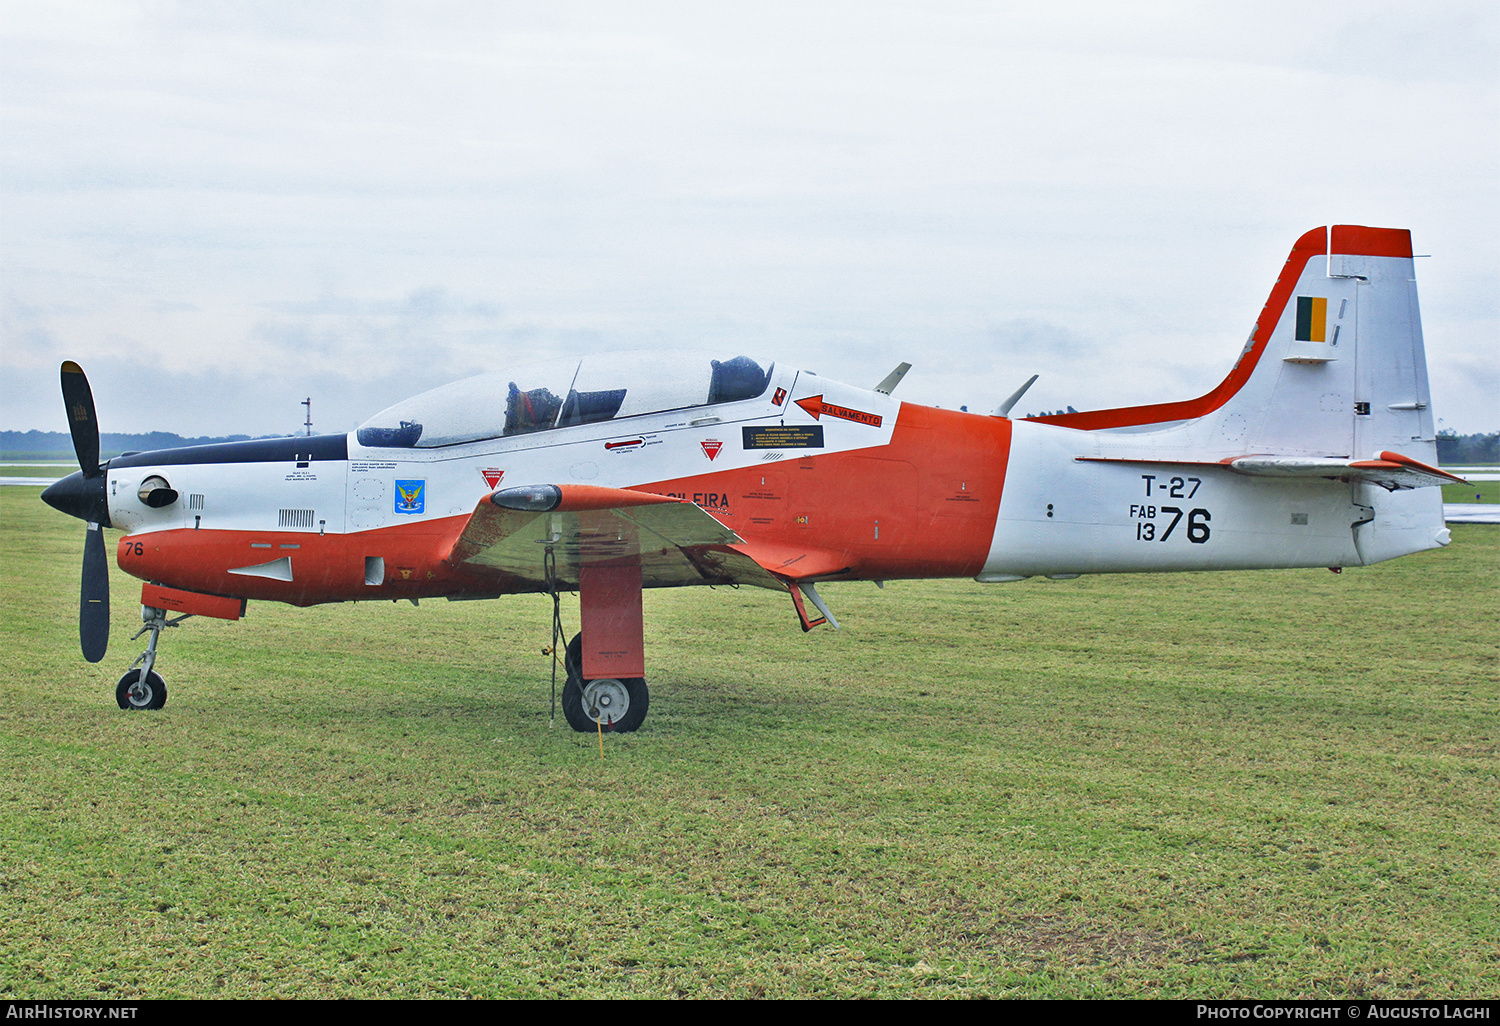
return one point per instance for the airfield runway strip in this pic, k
(1471, 513)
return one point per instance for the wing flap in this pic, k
(793, 562)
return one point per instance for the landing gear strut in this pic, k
(610, 703)
(143, 688)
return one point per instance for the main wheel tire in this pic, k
(640, 701)
(622, 702)
(573, 657)
(133, 693)
(572, 703)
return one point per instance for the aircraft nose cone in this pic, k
(79, 496)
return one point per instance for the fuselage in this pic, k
(898, 491)
(869, 488)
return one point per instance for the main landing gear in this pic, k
(606, 685)
(608, 703)
(142, 687)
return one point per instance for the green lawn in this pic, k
(1269, 784)
(1474, 491)
(34, 470)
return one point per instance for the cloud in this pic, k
(363, 198)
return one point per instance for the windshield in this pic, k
(564, 393)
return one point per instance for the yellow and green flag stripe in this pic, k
(1312, 319)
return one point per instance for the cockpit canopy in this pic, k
(563, 393)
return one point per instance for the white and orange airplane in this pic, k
(618, 472)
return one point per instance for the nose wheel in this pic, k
(141, 691)
(608, 703)
(142, 687)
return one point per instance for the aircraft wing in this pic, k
(1390, 470)
(676, 542)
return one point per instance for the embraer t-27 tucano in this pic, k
(619, 472)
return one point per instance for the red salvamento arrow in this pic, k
(816, 406)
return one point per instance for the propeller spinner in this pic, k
(82, 495)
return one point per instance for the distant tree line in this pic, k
(1456, 450)
(38, 444)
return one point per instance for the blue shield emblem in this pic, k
(411, 496)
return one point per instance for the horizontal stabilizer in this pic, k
(1389, 470)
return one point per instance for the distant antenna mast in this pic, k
(308, 422)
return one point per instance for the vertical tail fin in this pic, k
(1334, 366)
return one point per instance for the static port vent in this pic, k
(195, 500)
(295, 518)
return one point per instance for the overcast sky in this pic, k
(219, 208)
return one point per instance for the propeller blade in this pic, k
(79, 400)
(93, 598)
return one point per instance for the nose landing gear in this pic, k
(142, 687)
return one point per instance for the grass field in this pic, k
(1247, 784)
